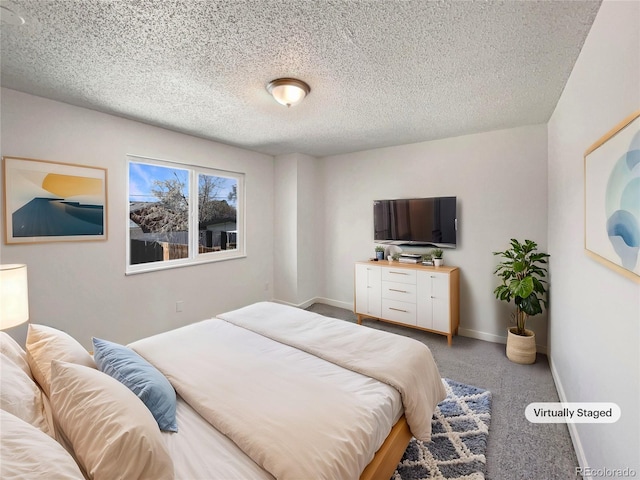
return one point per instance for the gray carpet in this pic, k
(517, 449)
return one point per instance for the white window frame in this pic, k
(194, 257)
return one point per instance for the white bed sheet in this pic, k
(200, 451)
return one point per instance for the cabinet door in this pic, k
(441, 310)
(368, 290)
(433, 301)
(424, 300)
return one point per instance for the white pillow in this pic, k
(20, 395)
(45, 344)
(11, 349)
(28, 453)
(111, 431)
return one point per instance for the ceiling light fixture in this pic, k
(288, 91)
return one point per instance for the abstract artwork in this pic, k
(612, 198)
(52, 202)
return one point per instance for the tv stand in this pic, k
(413, 295)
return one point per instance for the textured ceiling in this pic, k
(382, 72)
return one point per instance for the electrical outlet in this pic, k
(179, 306)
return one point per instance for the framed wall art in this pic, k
(53, 202)
(612, 198)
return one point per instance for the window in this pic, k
(182, 215)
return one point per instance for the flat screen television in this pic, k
(416, 221)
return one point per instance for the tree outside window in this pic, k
(172, 223)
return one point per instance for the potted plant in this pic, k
(380, 252)
(396, 256)
(522, 271)
(427, 259)
(437, 253)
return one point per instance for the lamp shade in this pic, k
(14, 295)
(288, 91)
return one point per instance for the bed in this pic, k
(266, 391)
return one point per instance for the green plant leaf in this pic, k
(502, 292)
(519, 266)
(531, 305)
(539, 257)
(538, 287)
(521, 288)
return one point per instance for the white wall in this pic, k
(310, 234)
(500, 179)
(298, 261)
(595, 313)
(285, 253)
(80, 287)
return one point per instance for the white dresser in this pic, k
(414, 295)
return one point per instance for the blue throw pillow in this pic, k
(141, 378)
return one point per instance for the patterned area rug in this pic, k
(460, 428)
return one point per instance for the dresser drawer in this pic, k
(403, 292)
(402, 312)
(400, 275)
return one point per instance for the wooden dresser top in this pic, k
(413, 266)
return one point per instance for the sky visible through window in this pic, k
(142, 176)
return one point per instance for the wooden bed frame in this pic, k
(386, 459)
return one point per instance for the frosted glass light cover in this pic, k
(288, 94)
(288, 91)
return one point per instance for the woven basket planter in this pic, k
(521, 349)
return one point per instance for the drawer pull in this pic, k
(396, 290)
(397, 310)
(399, 273)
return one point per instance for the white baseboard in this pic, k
(298, 305)
(333, 303)
(573, 431)
(488, 337)
(491, 337)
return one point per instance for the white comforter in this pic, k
(290, 422)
